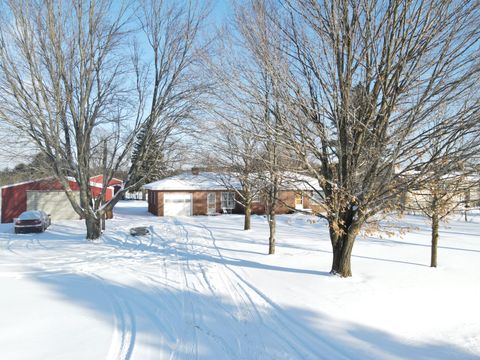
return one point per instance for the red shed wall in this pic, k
(97, 191)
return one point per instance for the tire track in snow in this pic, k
(188, 306)
(295, 330)
(247, 313)
(124, 323)
(123, 338)
(248, 309)
(196, 282)
(124, 310)
(205, 283)
(243, 349)
(146, 303)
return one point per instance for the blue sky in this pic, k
(221, 9)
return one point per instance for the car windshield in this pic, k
(30, 215)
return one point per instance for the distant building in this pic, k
(208, 193)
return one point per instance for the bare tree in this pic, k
(238, 106)
(447, 185)
(250, 100)
(66, 83)
(358, 83)
(237, 153)
(441, 195)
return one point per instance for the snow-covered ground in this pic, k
(201, 288)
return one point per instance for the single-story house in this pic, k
(43, 194)
(455, 190)
(208, 193)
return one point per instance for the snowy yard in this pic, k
(201, 288)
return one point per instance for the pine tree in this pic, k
(152, 164)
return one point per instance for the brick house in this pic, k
(195, 193)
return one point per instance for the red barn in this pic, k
(116, 183)
(43, 194)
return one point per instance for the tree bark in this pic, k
(342, 246)
(94, 227)
(248, 214)
(272, 225)
(103, 222)
(433, 257)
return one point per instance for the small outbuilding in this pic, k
(114, 182)
(208, 193)
(43, 194)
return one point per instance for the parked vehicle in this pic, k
(32, 221)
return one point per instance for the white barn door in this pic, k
(52, 202)
(177, 204)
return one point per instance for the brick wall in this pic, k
(285, 205)
(286, 199)
(155, 202)
(199, 199)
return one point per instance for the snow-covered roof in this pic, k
(222, 181)
(69, 178)
(25, 182)
(295, 181)
(99, 180)
(202, 181)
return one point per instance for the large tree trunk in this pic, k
(94, 227)
(272, 225)
(248, 215)
(342, 246)
(433, 257)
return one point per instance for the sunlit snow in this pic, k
(202, 288)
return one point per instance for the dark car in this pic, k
(32, 221)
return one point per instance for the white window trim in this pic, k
(209, 210)
(228, 200)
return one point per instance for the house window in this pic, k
(228, 200)
(298, 199)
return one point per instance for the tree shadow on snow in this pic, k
(393, 242)
(192, 323)
(170, 248)
(281, 245)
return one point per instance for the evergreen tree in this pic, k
(152, 164)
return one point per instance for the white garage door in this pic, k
(54, 203)
(177, 204)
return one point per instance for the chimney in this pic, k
(195, 170)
